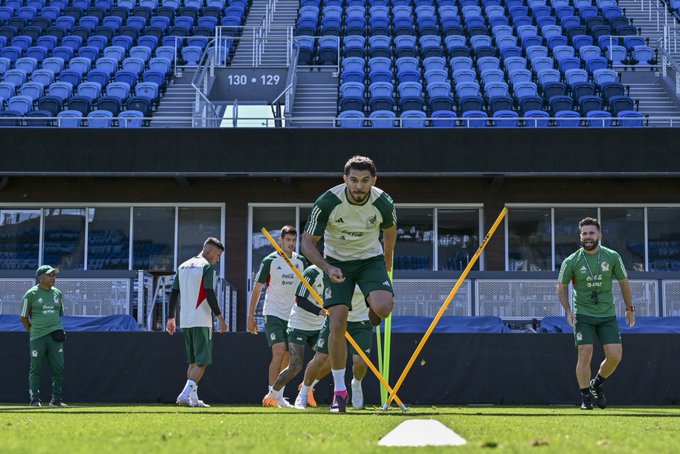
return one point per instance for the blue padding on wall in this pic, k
(649, 325)
(450, 324)
(73, 324)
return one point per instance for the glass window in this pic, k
(623, 229)
(529, 240)
(566, 231)
(271, 218)
(154, 238)
(19, 239)
(664, 239)
(458, 238)
(195, 225)
(108, 243)
(64, 243)
(415, 234)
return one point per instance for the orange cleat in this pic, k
(270, 402)
(310, 398)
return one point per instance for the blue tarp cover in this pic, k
(449, 324)
(653, 325)
(73, 324)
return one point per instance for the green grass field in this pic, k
(151, 428)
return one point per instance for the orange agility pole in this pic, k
(319, 300)
(439, 315)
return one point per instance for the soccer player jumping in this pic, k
(350, 217)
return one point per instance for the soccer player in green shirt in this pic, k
(41, 312)
(591, 270)
(350, 217)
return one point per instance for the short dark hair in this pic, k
(589, 221)
(288, 230)
(360, 163)
(212, 241)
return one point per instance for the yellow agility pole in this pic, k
(319, 300)
(448, 300)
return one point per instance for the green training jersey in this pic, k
(591, 276)
(351, 232)
(45, 309)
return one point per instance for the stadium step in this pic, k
(274, 53)
(316, 99)
(176, 107)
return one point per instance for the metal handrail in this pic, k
(202, 76)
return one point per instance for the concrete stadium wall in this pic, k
(453, 369)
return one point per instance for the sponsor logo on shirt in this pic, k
(340, 221)
(584, 270)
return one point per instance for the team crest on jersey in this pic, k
(371, 221)
(272, 336)
(605, 266)
(327, 293)
(579, 336)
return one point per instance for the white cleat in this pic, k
(301, 402)
(284, 402)
(198, 403)
(357, 395)
(183, 401)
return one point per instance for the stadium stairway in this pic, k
(178, 101)
(316, 97)
(275, 49)
(645, 86)
(634, 10)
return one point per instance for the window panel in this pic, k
(458, 238)
(108, 243)
(271, 218)
(664, 239)
(195, 225)
(567, 238)
(19, 239)
(64, 238)
(529, 239)
(623, 229)
(154, 238)
(415, 234)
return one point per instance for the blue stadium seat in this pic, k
(351, 119)
(382, 119)
(599, 119)
(443, 119)
(537, 118)
(475, 119)
(630, 119)
(413, 119)
(567, 119)
(99, 119)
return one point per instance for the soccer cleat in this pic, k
(183, 401)
(269, 401)
(339, 404)
(587, 402)
(57, 402)
(36, 402)
(598, 394)
(300, 402)
(198, 403)
(283, 403)
(357, 395)
(310, 398)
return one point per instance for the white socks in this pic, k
(314, 383)
(188, 388)
(338, 380)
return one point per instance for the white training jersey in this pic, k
(359, 312)
(351, 232)
(300, 318)
(193, 277)
(280, 282)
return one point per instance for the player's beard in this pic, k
(590, 247)
(359, 197)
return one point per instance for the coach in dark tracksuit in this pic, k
(41, 313)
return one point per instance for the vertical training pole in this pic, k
(388, 342)
(378, 338)
(320, 301)
(449, 298)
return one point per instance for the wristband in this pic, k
(632, 309)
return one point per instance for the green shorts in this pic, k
(605, 329)
(369, 274)
(302, 337)
(361, 332)
(275, 329)
(198, 342)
